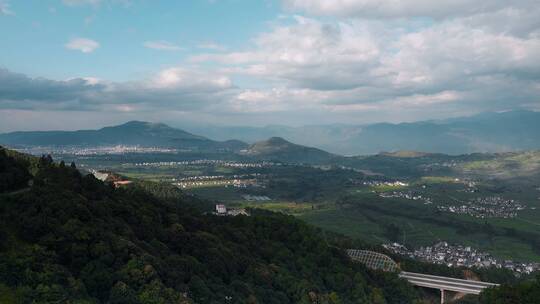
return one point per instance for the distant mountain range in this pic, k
(146, 134)
(487, 132)
(139, 133)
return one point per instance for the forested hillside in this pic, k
(278, 149)
(13, 175)
(523, 293)
(69, 238)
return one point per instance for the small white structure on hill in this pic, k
(101, 175)
(221, 210)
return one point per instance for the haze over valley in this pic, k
(487, 132)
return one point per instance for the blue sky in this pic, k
(42, 28)
(69, 64)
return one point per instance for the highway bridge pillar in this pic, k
(442, 296)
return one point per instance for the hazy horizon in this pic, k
(196, 125)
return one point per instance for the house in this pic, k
(221, 210)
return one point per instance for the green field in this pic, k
(416, 233)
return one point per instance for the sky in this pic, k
(78, 64)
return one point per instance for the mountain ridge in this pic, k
(485, 132)
(140, 133)
(134, 132)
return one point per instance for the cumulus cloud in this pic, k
(307, 54)
(162, 45)
(84, 45)
(173, 89)
(361, 65)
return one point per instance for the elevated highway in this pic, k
(445, 283)
(379, 261)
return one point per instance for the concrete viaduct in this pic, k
(379, 261)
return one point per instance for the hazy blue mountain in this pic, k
(487, 132)
(277, 148)
(131, 133)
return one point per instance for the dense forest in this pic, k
(527, 292)
(13, 175)
(70, 238)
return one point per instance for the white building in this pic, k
(221, 210)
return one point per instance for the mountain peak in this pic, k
(135, 132)
(277, 141)
(405, 154)
(135, 123)
(144, 124)
(277, 148)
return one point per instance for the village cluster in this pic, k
(460, 256)
(386, 183)
(480, 207)
(223, 163)
(98, 150)
(487, 207)
(439, 165)
(407, 195)
(237, 182)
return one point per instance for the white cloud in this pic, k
(162, 45)
(172, 88)
(403, 8)
(362, 65)
(184, 78)
(84, 45)
(212, 46)
(96, 3)
(308, 53)
(81, 2)
(5, 9)
(275, 100)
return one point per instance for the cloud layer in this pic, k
(404, 8)
(358, 64)
(336, 61)
(173, 89)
